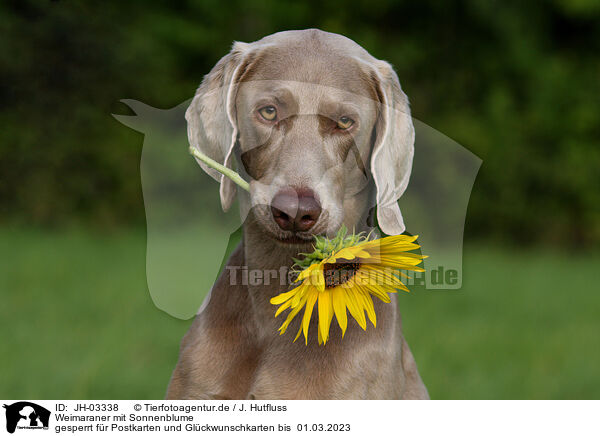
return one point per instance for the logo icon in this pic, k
(24, 414)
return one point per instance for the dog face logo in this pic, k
(434, 207)
(24, 414)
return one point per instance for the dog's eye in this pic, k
(344, 123)
(269, 113)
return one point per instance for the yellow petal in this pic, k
(349, 253)
(311, 270)
(399, 262)
(368, 303)
(325, 310)
(395, 241)
(399, 246)
(282, 298)
(298, 334)
(310, 304)
(284, 306)
(355, 309)
(344, 253)
(319, 281)
(301, 293)
(339, 306)
(329, 320)
(377, 275)
(291, 316)
(380, 292)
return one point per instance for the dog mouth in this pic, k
(294, 239)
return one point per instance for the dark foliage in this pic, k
(516, 83)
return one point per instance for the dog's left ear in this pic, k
(212, 127)
(392, 155)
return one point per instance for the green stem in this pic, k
(227, 172)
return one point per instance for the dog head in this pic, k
(310, 117)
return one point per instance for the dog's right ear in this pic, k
(211, 116)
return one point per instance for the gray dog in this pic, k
(323, 131)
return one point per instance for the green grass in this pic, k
(77, 321)
(525, 325)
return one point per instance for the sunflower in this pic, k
(342, 275)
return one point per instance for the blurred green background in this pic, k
(516, 83)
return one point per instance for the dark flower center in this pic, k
(339, 273)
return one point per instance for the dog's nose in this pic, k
(295, 210)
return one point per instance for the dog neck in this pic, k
(268, 262)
